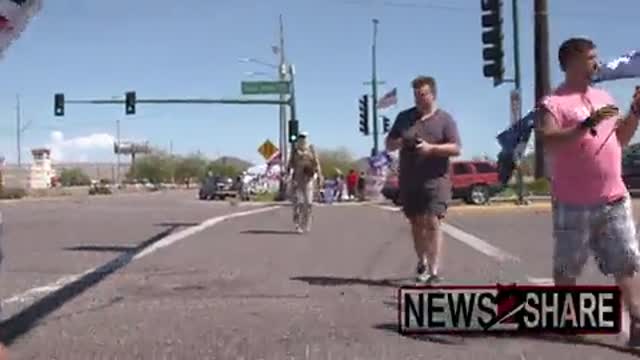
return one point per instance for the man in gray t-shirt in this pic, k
(427, 137)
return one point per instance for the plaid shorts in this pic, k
(607, 230)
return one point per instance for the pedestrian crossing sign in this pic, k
(267, 149)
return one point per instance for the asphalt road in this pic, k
(165, 276)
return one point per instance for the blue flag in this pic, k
(514, 139)
(624, 67)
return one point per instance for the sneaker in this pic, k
(634, 332)
(434, 279)
(421, 271)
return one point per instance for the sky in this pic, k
(89, 49)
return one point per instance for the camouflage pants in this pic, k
(302, 204)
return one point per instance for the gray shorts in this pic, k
(431, 197)
(607, 230)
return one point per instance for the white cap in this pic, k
(303, 134)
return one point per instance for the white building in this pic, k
(41, 171)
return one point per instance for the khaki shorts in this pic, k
(607, 230)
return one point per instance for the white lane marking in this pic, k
(478, 244)
(540, 281)
(482, 246)
(470, 240)
(171, 239)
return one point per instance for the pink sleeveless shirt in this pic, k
(578, 175)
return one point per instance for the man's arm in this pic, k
(393, 141)
(552, 135)
(318, 165)
(627, 128)
(452, 145)
(291, 160)
(446, 150)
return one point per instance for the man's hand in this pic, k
(602, 114)
(424, 148)
(627, 127)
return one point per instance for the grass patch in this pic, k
(540, 187)
(265, 197)
(12, 193)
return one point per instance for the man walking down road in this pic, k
(584, 135)
(303, 168)
(427, 137)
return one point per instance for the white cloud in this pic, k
(81, 148)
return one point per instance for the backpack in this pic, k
(305, 160)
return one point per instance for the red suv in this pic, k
(473, 181)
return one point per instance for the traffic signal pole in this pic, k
(185, 101)
(542, 86)
(493, 55)
(518, 93)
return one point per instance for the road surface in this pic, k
(165, 276)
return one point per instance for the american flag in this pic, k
(14, 17)
(389, 99)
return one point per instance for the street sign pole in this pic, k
(374, 88)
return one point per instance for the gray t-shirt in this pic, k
(440, 128)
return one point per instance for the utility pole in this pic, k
(118, 152)
(542, 86)
(374, 89)
(18, 131)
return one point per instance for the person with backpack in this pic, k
(303, 169)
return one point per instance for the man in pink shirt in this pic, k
(583, 134)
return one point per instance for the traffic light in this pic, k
(58, 105)
(386, 124)
(293, 131)
(130, 103)
(492, 40)
(364, 114)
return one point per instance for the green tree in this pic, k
(187, 168)
(74, 177)
(156, 168)
(333, 160)
(219, 169)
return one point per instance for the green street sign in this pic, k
(265, 87)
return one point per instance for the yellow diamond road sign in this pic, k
(267, 149)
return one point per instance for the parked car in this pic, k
(217, 187)
(473, 181)
(631, 173)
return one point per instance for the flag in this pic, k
(513, 140)
(389, 99)
(274, 159)
(623, 67)
(14, 18)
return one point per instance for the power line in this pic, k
(469, 10)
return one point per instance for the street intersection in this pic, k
(168, 276)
